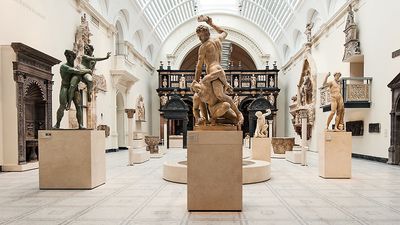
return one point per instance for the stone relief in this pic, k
(304, 100)
(140, 110)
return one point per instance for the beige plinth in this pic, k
(71, 159)
(137, 156)
(335, 155)
(261, 149)
(293, 156)
(214, 171)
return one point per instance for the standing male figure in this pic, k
(68, 72)
(210, 55)
(337, 105)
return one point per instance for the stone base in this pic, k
(214, 185)
(20, 168)
(278, 156)
(335, 154)
(71, 159)
(138, 143)
(293, 156)
(261, 149)
(137, 156)
(160, 154)
(254, 171)
(176, 141)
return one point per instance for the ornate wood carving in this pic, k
(32, 72)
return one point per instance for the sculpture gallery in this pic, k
(210, 92)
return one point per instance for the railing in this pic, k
(238, 79)
(355, 90)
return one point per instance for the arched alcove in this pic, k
(119, 40)
(237, 54)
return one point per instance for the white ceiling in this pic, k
(272, 16)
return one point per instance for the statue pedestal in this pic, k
(294, 156)
(261, 149)
(214, 171)
(335, 155)
(138, 153)
(71, 159)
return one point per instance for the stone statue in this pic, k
(164, 82)
(271, 82)
(305, 89)
(337, 105)
(236, 82)
(69, 72)
(271, 99)
(262, 126)
(140, 112)
(182, 82)
(309, 27)
(88, 62)
(211, 90)
(163, 99)
(253, 81)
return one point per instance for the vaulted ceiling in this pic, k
(272, 16)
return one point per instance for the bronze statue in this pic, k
(68, 72)
(88, 62)
(210, 91)
(337, 105)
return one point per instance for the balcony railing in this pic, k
(356, 92)
(238, 79)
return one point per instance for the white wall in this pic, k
(377, 40)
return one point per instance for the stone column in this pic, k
(130, 113)
(303, 116)
(270, 128)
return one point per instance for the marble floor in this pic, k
(138, 195)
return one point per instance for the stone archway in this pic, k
(394, 149)
(120, 111)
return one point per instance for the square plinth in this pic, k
(214, 171)
(261, 149)
(335, 155)
(71, 159)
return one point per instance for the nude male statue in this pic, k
(337, 105)
(210, 55)
(262, 125)
(68, 72)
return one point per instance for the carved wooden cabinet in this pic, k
(33, 77)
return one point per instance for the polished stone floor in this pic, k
(138, 195)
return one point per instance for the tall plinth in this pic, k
(335, 155)
(71, 159)
(214, 171)
(261, 149)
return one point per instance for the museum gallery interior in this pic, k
(208, 112)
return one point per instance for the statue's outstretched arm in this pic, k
(98, 59)
(222, 33)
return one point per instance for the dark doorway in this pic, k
(243, 109)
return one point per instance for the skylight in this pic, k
(218, 5)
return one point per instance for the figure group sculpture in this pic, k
(211, 104)
(78, 68)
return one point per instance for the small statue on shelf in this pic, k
(262, 126)
(309, 27)
(253, 81)
(337, 104)
(236, 82)
(182, 82)
(271, 82)
(164, 82)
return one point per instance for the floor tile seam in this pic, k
(340, 208)
(143, 205)
(92, 206)
(285, 204)
(30, 212)
(377, 202)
